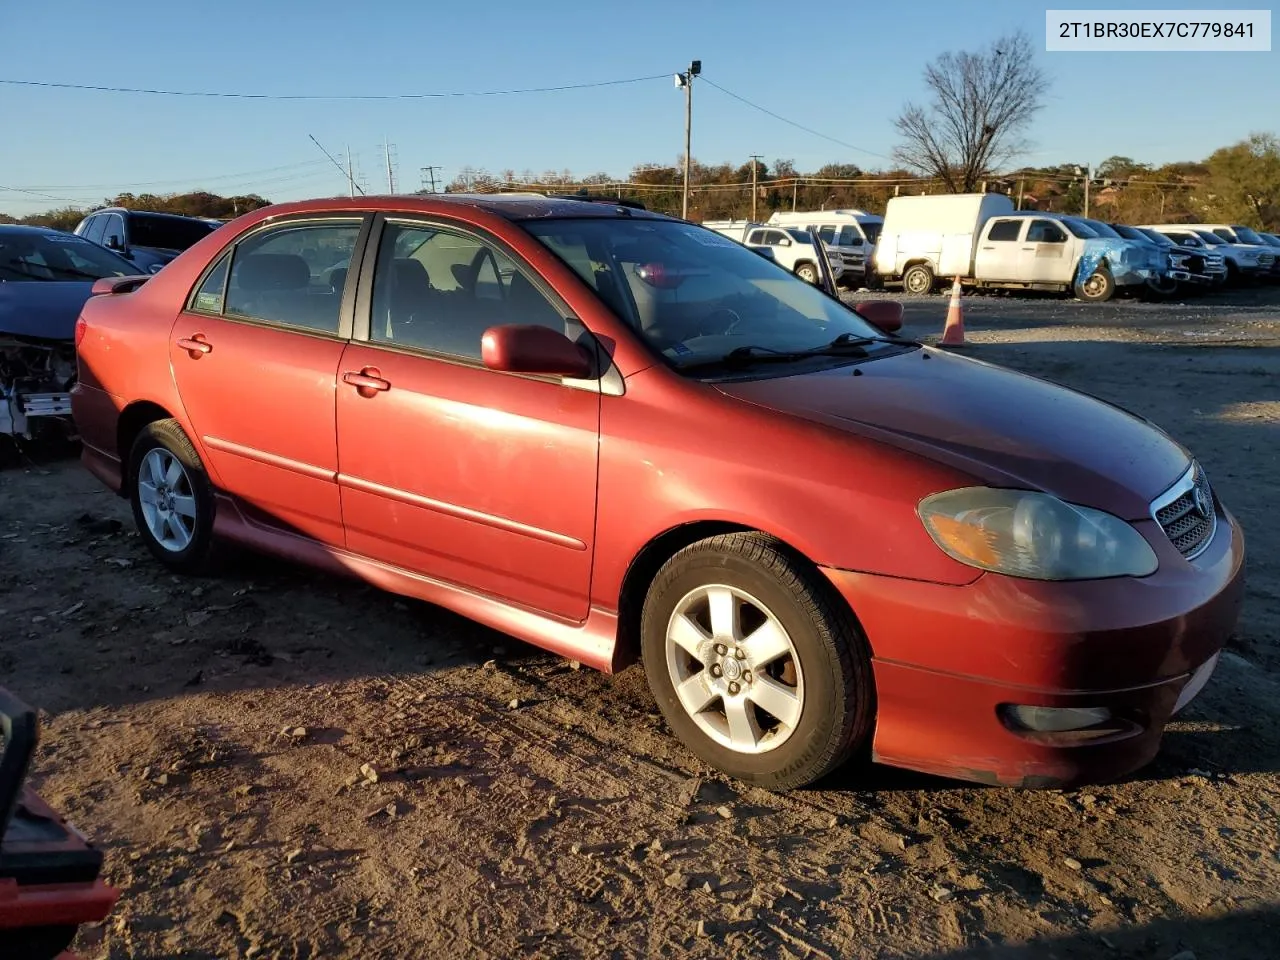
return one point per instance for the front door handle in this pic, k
(367, 382)
(196, 345)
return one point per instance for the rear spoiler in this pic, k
(113, 285)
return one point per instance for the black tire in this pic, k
(1233, 278)
(39, 942)
(198, 555)
(918, 279)
(1099, 287)
(807, 272)
(838, 707)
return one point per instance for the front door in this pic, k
(1046, 254)
(447, 468)
(255, 357)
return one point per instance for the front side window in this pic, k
(284, 275)
(113, 226)
(1005, 230)
(693, 295)
(438, 290)
(1045, 231)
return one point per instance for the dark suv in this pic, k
(148, 239)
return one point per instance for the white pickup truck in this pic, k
(984, 241)
(792, 247)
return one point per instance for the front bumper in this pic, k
(948, 662)
(18, 409)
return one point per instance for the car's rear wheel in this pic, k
(173, 501)
(753, 663)
(918, 279)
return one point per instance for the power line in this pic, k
(153, 183)
(321, 96)
(798, 126)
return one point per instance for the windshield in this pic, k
(1079, 228)
(1248, 236)
(800, 235)
(167, 233)
(1211, 238)
(57, 256)
(1103, 229)
(693, 294)
(1154, 235)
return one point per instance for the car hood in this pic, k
(1003, 428)
(44, 309)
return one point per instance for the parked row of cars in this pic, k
(923, 241)
(985, 242)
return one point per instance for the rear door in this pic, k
(255, 357)
(998, 253)
(450, 469)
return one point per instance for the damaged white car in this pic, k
(45, 278)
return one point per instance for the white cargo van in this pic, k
(981, 239)
(850, 233)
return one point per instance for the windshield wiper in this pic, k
(847, 344)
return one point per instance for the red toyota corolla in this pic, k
(618, 435)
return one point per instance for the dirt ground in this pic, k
(211, 735)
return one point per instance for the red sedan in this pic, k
(621, 436)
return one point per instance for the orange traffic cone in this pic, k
(953, 332)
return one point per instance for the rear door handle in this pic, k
(196, 345)
(367, 381)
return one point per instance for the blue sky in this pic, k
(842, 69)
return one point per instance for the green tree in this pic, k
(1244, 182)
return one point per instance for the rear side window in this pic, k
(1005, 230)
(291, 274)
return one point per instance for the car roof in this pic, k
(130, 211)
(509, 206)
(28, 228)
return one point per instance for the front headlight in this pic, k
(1034, 535)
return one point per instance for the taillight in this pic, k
(81, 327)
(657, 275)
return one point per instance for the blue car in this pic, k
(45, 278)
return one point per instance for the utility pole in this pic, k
(685, 80)
(429, 175)
(351, 180)
(755, 158)
(1088, 175)
(391, 180)
(1019, 206)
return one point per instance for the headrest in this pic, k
(273, 271)
(410, 272)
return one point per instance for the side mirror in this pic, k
(113, 242)
(884, 315)
(530, 348)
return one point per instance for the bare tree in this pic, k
(980, 103)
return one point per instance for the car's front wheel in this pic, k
(753, 663)
(172, 497)
(807, 272)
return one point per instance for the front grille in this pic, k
(1266, 260)
(1189, 519)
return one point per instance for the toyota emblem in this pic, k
(1202, 503)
